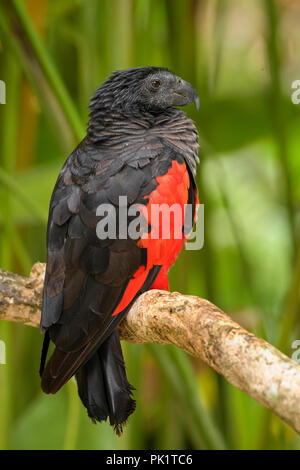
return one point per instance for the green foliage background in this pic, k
(242, 57)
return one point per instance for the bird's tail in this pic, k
(103, 386)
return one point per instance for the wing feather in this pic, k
(86, 278)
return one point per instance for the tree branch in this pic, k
(194, 325)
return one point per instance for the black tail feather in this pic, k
(103, 386)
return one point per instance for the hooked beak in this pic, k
(184, 94)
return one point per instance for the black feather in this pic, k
(131, 141)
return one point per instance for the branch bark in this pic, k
(194, 325)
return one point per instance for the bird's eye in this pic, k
(156, 83)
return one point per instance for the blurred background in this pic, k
(242, 57)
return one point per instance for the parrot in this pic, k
(140, 150)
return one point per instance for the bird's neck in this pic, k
(107, 122)
(118, 130)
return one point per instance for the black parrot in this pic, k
(139, 146)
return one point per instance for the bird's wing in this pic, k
(90, 283)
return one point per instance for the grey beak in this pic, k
(185, 94)
(191, 93)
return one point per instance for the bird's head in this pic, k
(153, 89)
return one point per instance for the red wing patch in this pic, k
(162, 251)
(162, 281)
(172, 193)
